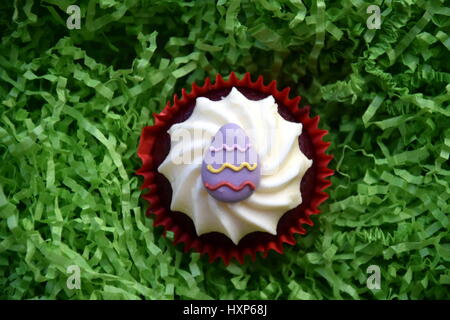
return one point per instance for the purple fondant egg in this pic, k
(230, 168)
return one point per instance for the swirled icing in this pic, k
(282, 166)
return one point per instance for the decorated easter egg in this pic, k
(230, 168)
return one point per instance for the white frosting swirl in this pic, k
(282, 166)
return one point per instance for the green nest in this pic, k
(73, 103)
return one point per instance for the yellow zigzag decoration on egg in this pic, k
(249, 166)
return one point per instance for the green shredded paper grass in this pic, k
(73, 103)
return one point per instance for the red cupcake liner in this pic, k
(152, 152)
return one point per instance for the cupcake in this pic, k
(234, 168)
